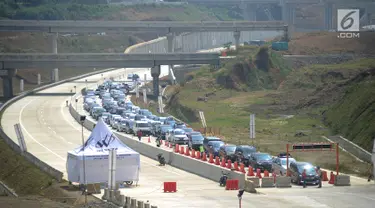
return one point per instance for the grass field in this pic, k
(287, 114)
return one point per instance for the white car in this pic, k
(178, 136)
(142, 126)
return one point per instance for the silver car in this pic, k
(279, 164)
(178, 136)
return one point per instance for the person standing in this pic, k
(139, 134)
(319, 172)
(304, 178)
(371, 174)
(201, 150)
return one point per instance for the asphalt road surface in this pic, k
(50, 132)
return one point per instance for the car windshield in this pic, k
(310, 170)
(165, 128)
(248, 150)
(188, 130)
(263, 157)
(216, 145)
(143, 125)
(230, 149)
(131, 117)
(290, 160)
(179, 132)
(117, 118)
(106, 114)
(197, 137)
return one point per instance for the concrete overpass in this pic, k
(287, 8)
(164, 27)
(10, 62)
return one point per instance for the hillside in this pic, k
(292, 104)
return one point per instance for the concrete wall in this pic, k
(6, 191)
(192, 42)
(198, 167)
(352, 148)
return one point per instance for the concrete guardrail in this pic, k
(6, 191)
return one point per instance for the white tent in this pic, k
(95, 154)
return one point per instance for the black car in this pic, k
(262, 161)
(243, 152)
(296, 169)
(209, 139)
(227, 152)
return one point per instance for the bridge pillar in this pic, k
(249, 11)
(155, 73)
(288, 14)
(328, 16)
(54, 72)
(237, 35)
(170, 47)
(7, 76)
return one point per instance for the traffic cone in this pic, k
(242, 168)
(229, 164)
(250, 171)
(187, 152)
(182, 150)
(166, 143)
(266, 173)
(204, 158)
(259, 173)
(176, 149)
(217, 160)
(170, 145)
(223, 163)
(211, 159)
(325, 177)
(331, 178)
(236, 166)
(149, 139)
(198, 155)
(193, 153)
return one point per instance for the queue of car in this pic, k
(121, 115)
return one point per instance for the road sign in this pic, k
(203, 119)
(3, 72)
(252, 126)
(317, 146)
(112, 169)
(145, 96)
(21, 139)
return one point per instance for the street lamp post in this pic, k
(77, 104)
(82, 119)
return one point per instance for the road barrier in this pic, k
(255, 181)
(283, 182)
(331, 178)
(267, 182)
(231, 184)
(115, 197)
(170, 186)
(342, 180)
(250, 187)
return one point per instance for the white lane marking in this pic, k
(31, 137)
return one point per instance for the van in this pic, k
(142, 126)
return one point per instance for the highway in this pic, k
(50, 132)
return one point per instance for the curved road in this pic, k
(50, 132)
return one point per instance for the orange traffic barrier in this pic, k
(259, 173)
(223, 163)
(170, 187)
(266, 173)
(149, 139)
(204, 158)
(176, 149)
(198, 155)
(193, 153)
(324, 176)
(217, 160)
(187, 151)
(242, 168)
(211, 159)
(331, 178)
(250, 171)
(229, 164)
(235, 166)
(232, 184)
(182, 150)
(170, 145)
